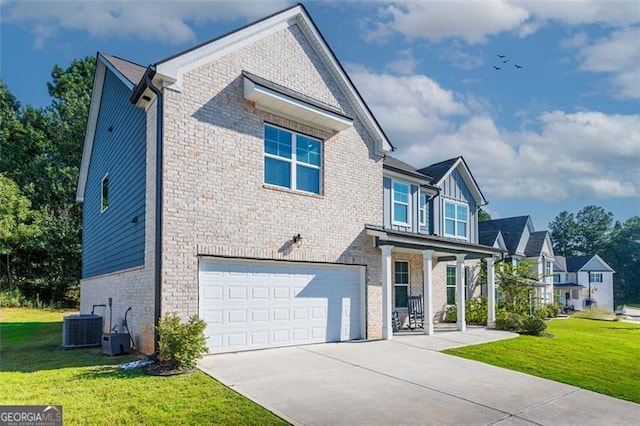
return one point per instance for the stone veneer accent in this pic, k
(215, 201)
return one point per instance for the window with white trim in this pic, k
(400, 203)
(423, 210)
(451, 285)
(292, 160)
(401, 283)
(556, 278)
(456, 220)
(595, 277)
(104, 198)
(548, 268)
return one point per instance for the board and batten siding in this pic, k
(414, 208)
(113, 240)
(454, 187)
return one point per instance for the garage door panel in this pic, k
(256, 304)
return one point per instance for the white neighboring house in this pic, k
(583, 281)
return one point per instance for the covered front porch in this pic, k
(438, 259)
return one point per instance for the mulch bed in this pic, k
(165, 368)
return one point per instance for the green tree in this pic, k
(563, 234)
(515, 286)
(594, 225)
(19, 224)
(483, 216)
(622, 253)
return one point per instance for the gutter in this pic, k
(148, 83)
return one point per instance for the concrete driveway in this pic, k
(406, 381)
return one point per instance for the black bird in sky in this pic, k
(518, 66)
(502, 56)
(504, 62)
(497, 68)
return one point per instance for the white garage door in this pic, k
(250, 304)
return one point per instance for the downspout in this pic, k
(158, 246)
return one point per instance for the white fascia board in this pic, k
(175, 68)
(94, 110)
(383, 146)
(406, 178)
(468, 180)
(281, 104)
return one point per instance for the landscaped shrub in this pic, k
(533, 325)
(542, 312)
(475, 311)
(554, 309)
(508, 321)
(181, 343)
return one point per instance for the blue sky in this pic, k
(560, 133)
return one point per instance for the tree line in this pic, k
(593, 231)
(40, 221)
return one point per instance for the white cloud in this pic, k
(404, 64)
(618, 55)
(166, 21)
(436, 20)
(583, 154)
(456, 55)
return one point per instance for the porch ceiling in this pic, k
(444, 249)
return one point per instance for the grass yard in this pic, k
(34, 369)
(602, 356)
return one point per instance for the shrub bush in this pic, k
(533, 325)
(181, 343)
(554, 309)
(542, 312)
(508, 321)
(475, 311)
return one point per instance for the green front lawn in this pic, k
(34, 369)
(602, 356)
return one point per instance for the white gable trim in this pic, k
(468, 180)
(499, 242)
(102, 64)
(94, 109)
(174, 68)
(547, 247)
(605, 265)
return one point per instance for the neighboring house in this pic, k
(583, 281)
(246, 181)
(523, 242)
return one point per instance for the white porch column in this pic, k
(387, 311)
(460, 299)
(427, 285)
(491, 292)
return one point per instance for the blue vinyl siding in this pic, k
(113, 240)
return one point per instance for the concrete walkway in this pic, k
(406, 381)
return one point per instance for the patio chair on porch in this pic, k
(415, 312)
(396, 321)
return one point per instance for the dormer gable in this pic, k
(169, 73)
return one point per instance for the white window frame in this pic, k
(593, 275)
(393, 203)
(395, 284)
(556, 278)
(548, 268)
(102, 197)
(455, 219)
(294, 160)
(448, 286)
(422, 209)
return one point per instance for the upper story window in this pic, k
(595, 277)
(556, 278)
(292, 160)
(548, 268)
(104, 198)
(423, 210)
(400, 203)
(456, 220)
